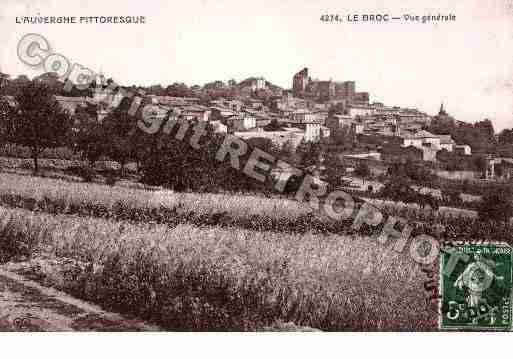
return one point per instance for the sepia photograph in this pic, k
(256, 166)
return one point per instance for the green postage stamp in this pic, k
(475, 287)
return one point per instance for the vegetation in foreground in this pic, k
(189, 278)
(231, 211)
(68, 194)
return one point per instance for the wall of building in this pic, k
(457, 175)
(277, 137)
(354, 111)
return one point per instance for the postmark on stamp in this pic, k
(475, 287)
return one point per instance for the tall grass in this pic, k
(190, 278)
(110, 197)
(240, 211)
(16, 151)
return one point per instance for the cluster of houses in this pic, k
(244, 117)
(407, 125)
(291, 117)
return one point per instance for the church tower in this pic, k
(442, 110)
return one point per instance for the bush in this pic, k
(398, 189)
(110, 178)
(451, 196)
(174, 164)
(496, 205)
(417, 172)
(15, 244)
(59, 153)
(86, 173)
(362, 170)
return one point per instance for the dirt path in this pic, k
(28, 306)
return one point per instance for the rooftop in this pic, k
(417, 134)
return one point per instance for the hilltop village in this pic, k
(313, 110)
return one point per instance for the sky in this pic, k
(466, 63)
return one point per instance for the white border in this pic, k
(254, 345)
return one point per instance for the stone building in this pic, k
(300, 82)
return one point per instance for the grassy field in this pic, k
(191, 261)
(192, 278)
(226, 210)
(165, 206)
(68, 194)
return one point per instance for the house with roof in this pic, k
(240, 122)
(310, 122)
(196, 113)
(463, 150)
(173, 101)
(254, 103)
(304, 116)
(338, 122)
(430, 143)
(262, 118)
(219, 127)
(355, 110)
(423, 140)
(234, 105)
(446, 143)
(380, 125)
(289, 135)
(219, 113)
(420, 139)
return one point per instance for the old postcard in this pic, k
(256, 166)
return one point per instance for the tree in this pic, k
(178, 90)
(480, 136)
(506, 136)
(451, 195)
(121, 134)
(442, 126)
(333, 170)
(480, 163)
(412, 170)
(12, 86)
(51, 79)
(310, 156)
(499, 170)
(264, 144)
(4, 81)
(343, 138)
(393, 152)
(425, 199)
(496, 204)
(398, 189)
(5, 111)
(362, 170)
(287, 153)
(485, 127)
(89, 137)
(274, 125)
(5, 107)
(175, 164)
(38, 122)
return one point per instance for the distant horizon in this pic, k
(463, 63)
(273, 83)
